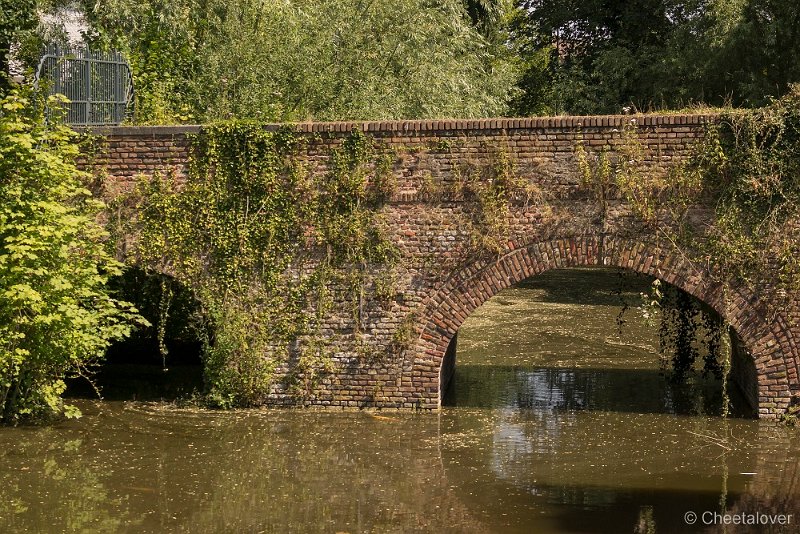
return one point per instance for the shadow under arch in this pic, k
(766, 363)
(156, 362)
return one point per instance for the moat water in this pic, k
(557, 421)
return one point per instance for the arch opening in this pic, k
(760, 359)
(576, 339)
(158, 362)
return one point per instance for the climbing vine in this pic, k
(749, 167)
(746, 168)
(261, 239)
(492, 190)
(687, 330)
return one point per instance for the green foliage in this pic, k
(160, 39)
(200, 60)
(687, 329)
(750, 170)
(490, 16)
(56, 314)
(15, 15)
(537, 93)
(259, 240)
(753, 55)
(604, 56)
(746, 168)
(48, 25)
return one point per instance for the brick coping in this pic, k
(567, 122)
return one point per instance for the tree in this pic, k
(326, 60)
(756, 60)
(605, 55)
(15, 16)
(56, 315)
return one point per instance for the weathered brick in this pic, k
(443, 283)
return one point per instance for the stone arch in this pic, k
(148, 371)
(446, 308)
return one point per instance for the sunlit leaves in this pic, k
(56, 317)
(199, 60)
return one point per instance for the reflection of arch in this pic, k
(525, 457)
(453, 302)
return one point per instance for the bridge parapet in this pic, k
(131, 150)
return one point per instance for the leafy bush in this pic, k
(56, 316)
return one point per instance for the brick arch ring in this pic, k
(769, 343)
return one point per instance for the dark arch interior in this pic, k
(137, 368)
(514, 367)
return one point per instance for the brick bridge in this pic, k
(442, 279)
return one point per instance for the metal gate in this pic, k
(99, 85)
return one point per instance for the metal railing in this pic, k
(99, 85)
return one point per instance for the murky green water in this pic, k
(556, 423)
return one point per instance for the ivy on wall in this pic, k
(261, 240)
(750, 170)
(735, 198)
(732, 209)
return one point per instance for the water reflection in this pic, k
(564, 426)
(608, 472)
(547, 389)
(581, 430)
(139, 468)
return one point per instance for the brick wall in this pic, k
(442, 279)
